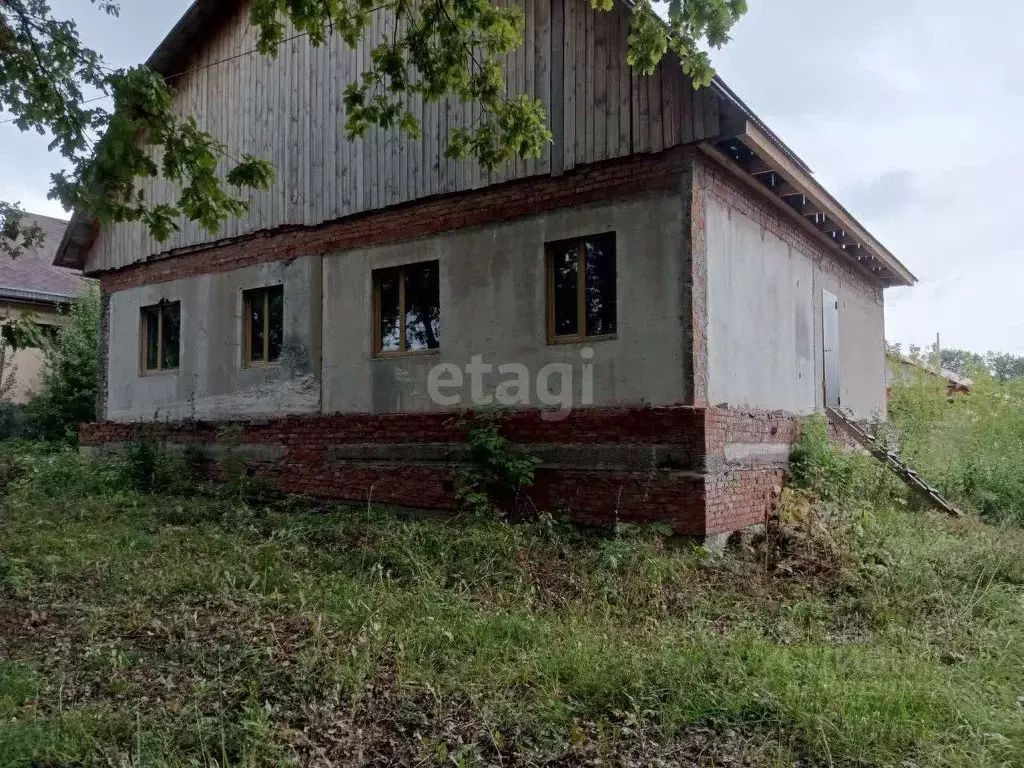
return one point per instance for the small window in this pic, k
(407, 309)
(264, 325)
(581, 288)
(161, 337)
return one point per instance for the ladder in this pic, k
(906, 473)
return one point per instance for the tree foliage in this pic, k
(435, 49)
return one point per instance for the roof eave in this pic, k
(787, 182)
(24, 296)
(76, 242)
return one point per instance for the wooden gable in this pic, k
(289, 110)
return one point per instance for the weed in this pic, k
(498, 470)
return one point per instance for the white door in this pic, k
(830, 340)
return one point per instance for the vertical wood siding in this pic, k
(289, 111)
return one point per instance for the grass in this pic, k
(161, 630)
(971, 446)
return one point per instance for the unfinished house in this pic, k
(654, 300)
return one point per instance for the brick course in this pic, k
(695, 502)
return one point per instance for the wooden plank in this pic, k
(557, 94)
(599, 72)
(686, 110)
(712, 117)
(369, 200)
(357, 146)
(529, 74)
(671, 95)
(641, 130)
(590, 100)
(698, 114)
(579, 82)
(625, 81)
(415, 154)
(654, 106)
(542, 73)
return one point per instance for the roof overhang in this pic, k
(762, 161)
(23, 296)
(76, 242)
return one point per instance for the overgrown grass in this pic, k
(971, 446)
(158, 630)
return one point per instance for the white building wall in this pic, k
(764, 299)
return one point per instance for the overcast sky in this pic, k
(906, 111)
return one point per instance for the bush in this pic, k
(829, 474)
(69, 383)
(15, 422)
(498, 470)
(150, 468)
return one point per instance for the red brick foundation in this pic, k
(599, 466)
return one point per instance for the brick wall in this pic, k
(697, 495)
(601, 181)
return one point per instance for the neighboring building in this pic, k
(904, 369)
(32, 285)
(702, 288)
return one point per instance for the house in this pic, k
(655, 299)
(32, 285)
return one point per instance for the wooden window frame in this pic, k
(247, 297)
(144, 335)
(581, 288)
(378, 342)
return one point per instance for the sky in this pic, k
(901, 109)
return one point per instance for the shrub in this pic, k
(15, 422)
(69, 382)
(816, 465)
(498, 469)
(830, 474)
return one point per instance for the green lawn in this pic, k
(155, 630)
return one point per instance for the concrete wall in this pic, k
(212, 382)
(493, 304)
(764, 298)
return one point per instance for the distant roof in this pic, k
(954, 378)
(32, 277)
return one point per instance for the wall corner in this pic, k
(694, 279)
(104, 369)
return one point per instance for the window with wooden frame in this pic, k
(263, 319)
(581, 289)
(407, 309)
(161, 337)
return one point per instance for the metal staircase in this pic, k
(906, 473)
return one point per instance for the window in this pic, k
(161, 337)
(264, 325)
(407, 309)
(581, 288)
